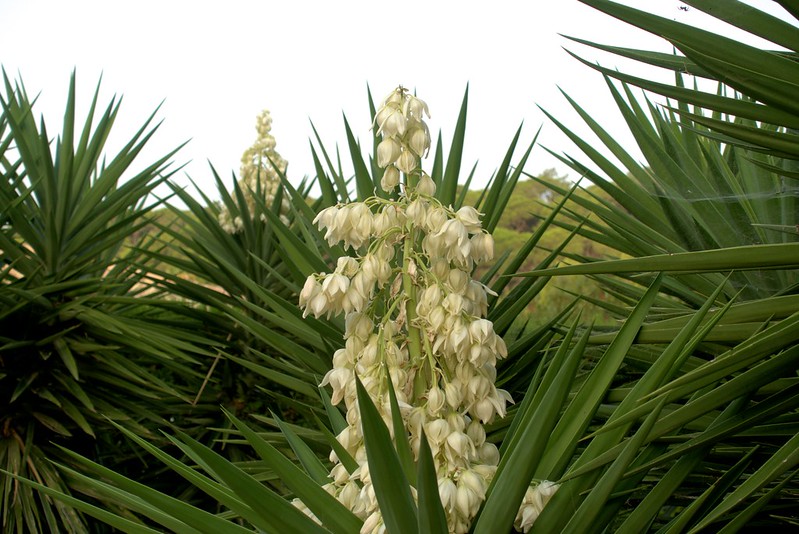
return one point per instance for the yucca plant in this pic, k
(716, 174)
(710, 206)
(303, 249)
(81, 341)
(248, 281)
(681, 420)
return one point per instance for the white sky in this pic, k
(217, 64)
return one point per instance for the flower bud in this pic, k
(326, 217)
(347, 266)
(435, 400)
(470, 218)
(309, 290)
(458, 281)
(447, 491)
(417, 212)
(466, 501)
(388, 151)
(460, 444)
(440, 268)
(436, 218)
(390, 179)
(476, 433)
(437, 431)
(426, 185)
(407, 162)
(318, 304)
(392, 122)
(482, 247)
(454, 393)
(335, 285)
(418, 138)
(437, 317)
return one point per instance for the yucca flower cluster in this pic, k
(261, 166)
(414, 315)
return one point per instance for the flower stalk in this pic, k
(415, 316)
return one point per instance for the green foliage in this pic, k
(82, 341)
(680, 418)
(529, 206)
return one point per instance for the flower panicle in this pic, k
(415, 316)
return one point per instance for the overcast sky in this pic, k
(216, 65)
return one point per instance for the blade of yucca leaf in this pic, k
(65, 156)
(309, 460)
(279, 341)
(668, 363)
(509, 185)
(714, 492)
(776, 256)
(776, 143)
(641, 205)
(731, 106)
(329, 196)
(295, 384)
(364, 182)
(437, 172)
(675, 194)
(337, 421)
(341, 185)
(516, 302)
(779, 403)
(642, 516)
(739, 316)
(589, 509)
(150, 502)
(289, 316)
(343, 455)
(781, 461)
(388, 477)
(401, 444)
(376, 137)
(431, 513)
(222, 493)
(784, 228)
(304, 259)
(763, 65)
(272, 513)
(524, 252)
(520, 459)
(504, 183)
(538, 388)
(334, 515)
(624, 187)
(168, 511)
(774, 338)
(124, 525)
(524, 351)
(579, 412)
(490, 194)
(665, 60)
(749, 381)
(743, 518)
(449, 180)
(465, 189)
(752, 20)
(664, 368)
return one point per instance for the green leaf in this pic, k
(392, 488)
(431, 513)
(778, 256)
(327, 508)
(449, 181)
